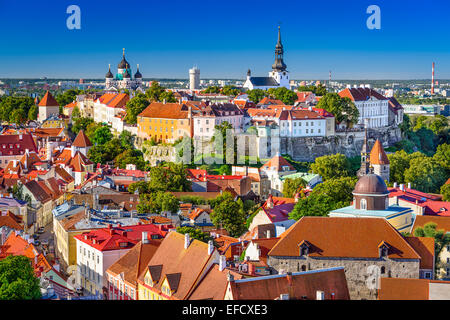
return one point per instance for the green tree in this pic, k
(168, 202)
(81, 124)
(195, 233)
(167, 96)
(154, 91)
(287, 96)
(230, 215)
(331, 166)
(445, 191)
(256, 95)
(102, 135)
(17, 279)
(135, 106)
(212, 89)
(67, 97)
(127, 139)
(230, 91)
(441, 239)
(343, 109)
(330, 195)
(290, 186)
(18, 116)
(76, 113)
(33, 112)
(425, 174)
(442, 156)
(130, 156)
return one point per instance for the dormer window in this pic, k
(383, 249)
(303, 248)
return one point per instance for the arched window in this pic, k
(363, 204)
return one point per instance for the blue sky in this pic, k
(225, 38)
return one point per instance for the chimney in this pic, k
(409, 185)
(20, 136)
(210, 247)
(144, 237)
(186, 240)
(320, 295)
(267, 233)
(402, 187)
(395, 184)
(222, 262)
(230, 277)
(297, 197)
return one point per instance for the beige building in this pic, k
(48, 106)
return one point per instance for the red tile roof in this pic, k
(161, 110)
(16, 144)
(403, 289)
(116, 238)
(48, 101)
(361, 94)
(424, 246)
(377, 154)
(81, 140)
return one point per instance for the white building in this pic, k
(108, 106)
(278, 77)
(371, 106)
(48, 107)
(208, 117)
(194, 78)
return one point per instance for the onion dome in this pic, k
(137, 75)
(109, 75)
(126, 74)
(124, 63)
(370, 184)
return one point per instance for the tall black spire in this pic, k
(365, 156)
(279, 64)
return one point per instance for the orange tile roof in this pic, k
(197, 212)
(172, 258)
(114, 100)
(213, 286)
(267, 100)
(403, 289)
(48, 101)
(161, 110)
(343, 237)
(302, 285)
(16, 245)
(10, 220)
(424, 246)
(81, 140)
(277, 162)
(71, 105)
(442, 222)
(133, 263)
(79, 161)
(377, 154)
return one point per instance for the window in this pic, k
(383, 270)
(363, 204)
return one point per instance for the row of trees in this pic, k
(427, 174)
(17, 109)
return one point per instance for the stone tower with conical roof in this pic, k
(379, 161)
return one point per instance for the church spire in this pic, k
(279, 64)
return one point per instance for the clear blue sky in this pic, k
(225, 38)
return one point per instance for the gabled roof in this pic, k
(79, 161)
(361, 94)
(134, 261)
(81, 140)
(213, 286)
(114, 100)
(267, 100)
(343, 238)
(10, 220)
(190, 263)
(277, 162)
(377, 154)
(16, 245)
(48, 101)
(16, 144)
(41, 194)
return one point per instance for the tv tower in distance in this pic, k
(432, 78)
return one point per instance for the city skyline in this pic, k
(236, 35)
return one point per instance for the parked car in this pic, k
(40, 230)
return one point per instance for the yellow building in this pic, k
(64, 230)
(165, 122)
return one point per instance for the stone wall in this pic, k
(356, 270)
(348, 143)
(157, 154)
